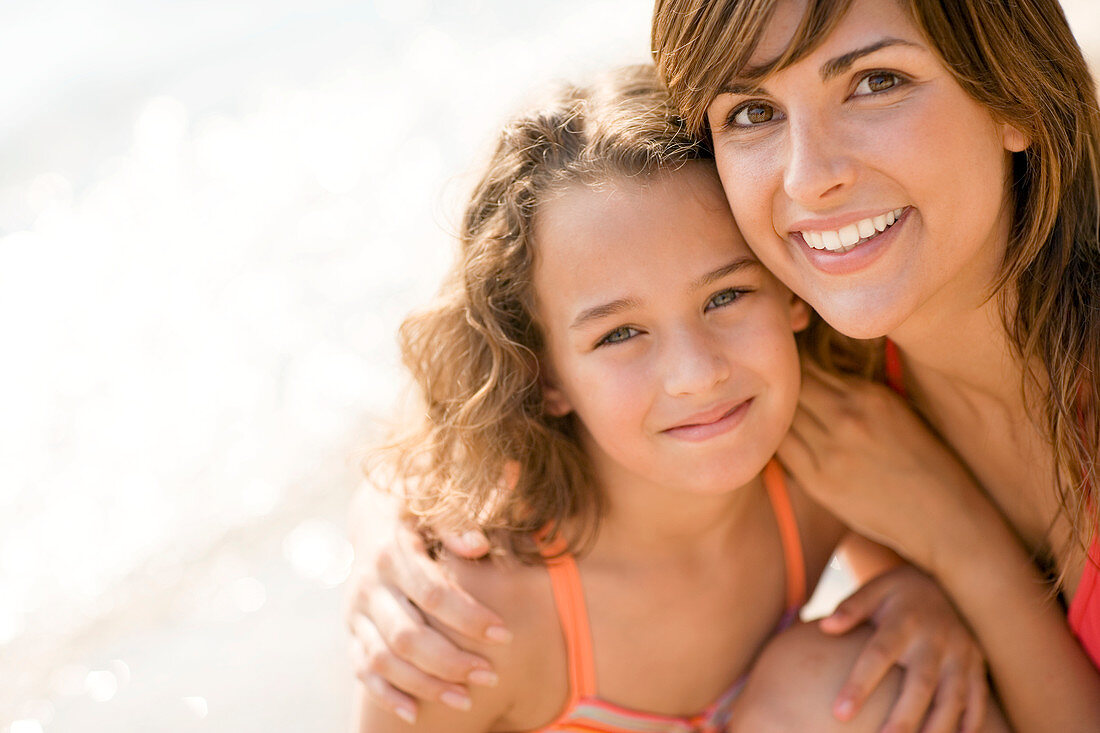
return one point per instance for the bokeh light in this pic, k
(212, 218)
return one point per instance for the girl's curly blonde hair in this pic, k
(482, 450)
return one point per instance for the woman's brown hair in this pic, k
(1020, 60)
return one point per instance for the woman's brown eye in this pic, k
(760, 114)
(880, 82)
(753, 114)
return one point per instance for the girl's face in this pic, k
(863, 175)
(664, 334)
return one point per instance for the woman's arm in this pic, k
(858, 450)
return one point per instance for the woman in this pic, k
(978, 120)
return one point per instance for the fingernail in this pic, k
(843, 709)
(472, 539)
(405, 714)
(483, 677)
(456, 700)
(498, 634)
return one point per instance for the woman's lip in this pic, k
(724, 422)
(842, 263)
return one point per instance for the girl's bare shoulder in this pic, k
(819, 529)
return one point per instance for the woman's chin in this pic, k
(861, 319)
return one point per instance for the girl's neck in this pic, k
(648, 524)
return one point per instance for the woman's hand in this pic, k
(399, 658)
(917, 629)
(860, 451)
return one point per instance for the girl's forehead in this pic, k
(677, 213)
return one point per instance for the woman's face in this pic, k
(863, 176)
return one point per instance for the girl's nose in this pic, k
(819, 164)
(694, 364)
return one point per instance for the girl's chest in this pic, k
(675, 650)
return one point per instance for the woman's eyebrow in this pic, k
(840, 64)
(829, 69)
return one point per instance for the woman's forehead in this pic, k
(861, 24)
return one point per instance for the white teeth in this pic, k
(848, 237)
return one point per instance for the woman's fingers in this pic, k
(384, 695)
(949, 704)
(407, 636)
(423, 581)
(874, 661)
(977, 699)
(813, 374)
(918, 688)
(470, 545)
(860, 606)
(396, 685)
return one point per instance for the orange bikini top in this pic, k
(585, 711)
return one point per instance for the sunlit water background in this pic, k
(212, 218)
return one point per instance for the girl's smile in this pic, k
(710, 423)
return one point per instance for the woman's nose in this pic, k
(694, 364)
(819, 163)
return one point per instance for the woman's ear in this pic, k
(800, 314)
(1013, 140)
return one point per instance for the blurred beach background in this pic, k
(213, 216)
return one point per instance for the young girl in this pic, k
(611, 353)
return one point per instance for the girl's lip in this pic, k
(843, 263)
(703, 427)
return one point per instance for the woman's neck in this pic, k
(964, 375)
(963, 351)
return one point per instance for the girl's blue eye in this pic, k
(876, 82)
(753, 114)
(620, 334)
(725, 297)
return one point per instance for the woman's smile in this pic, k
(842, 259)
(846, 238)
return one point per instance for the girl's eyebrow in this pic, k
(619, 305)
(831, 68)
(714, 275)
(602, 311)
